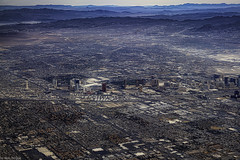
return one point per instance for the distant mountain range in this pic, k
(132, 9)
(45, 14)
(49, 13)
(204, 16)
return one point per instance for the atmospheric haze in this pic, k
(111, 2)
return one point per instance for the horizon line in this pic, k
(120, 5)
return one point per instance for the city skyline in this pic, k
(110, 2)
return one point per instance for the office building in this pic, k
(104, 87)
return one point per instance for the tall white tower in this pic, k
(27, 87)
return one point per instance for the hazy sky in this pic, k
(110, 2)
